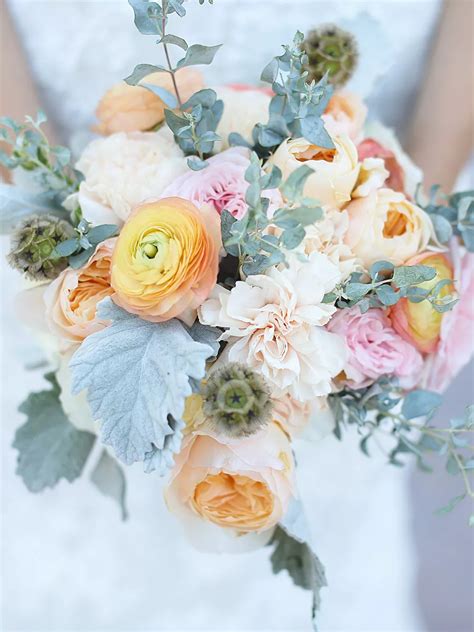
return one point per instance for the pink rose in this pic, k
(370, 148)
(456, 344)
(375, 349)
(222, 184)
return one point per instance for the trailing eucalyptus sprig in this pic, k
(31, 151)
(385, 284)
(260, 241)
(194, 130)
(451, 214)
(297, 106)
(380, 410)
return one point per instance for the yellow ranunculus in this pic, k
(420, 323)
(166, 259)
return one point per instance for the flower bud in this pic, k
(330, 50)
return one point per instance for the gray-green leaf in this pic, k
(110, 480)
(420, 403)
(197, 55)
(136, 374)
(49, 447)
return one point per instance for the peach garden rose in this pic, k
(126, 108)
(72, 298)
(335, 170)
(386, 226)
(166, 260)
(243, 485)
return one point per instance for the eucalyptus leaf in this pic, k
(141, 71)
(197, 55)
(294, 184)
(387, 295)
(175, 40)
(16, 204)
(137, 374)
(166, 96)
(147, 16)
(420, 403)
(100, 233)
(404, 276)
(196, 164)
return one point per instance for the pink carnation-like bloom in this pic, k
(222, 184)
(375, 349)
(456, 344)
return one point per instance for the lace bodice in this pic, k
(79, 48)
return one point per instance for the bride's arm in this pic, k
(18, 95)
(440, 138)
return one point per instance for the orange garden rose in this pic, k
(243, 485)
(420, 323)
(166, 260)
(126, 108)
(72, 298)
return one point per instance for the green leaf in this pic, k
(404, 276)
(302, 564)
(420, 403)
(292, 237)
(443, 228)
(79, 260)
(141, 71)
(293, 187)
(147, 16)
(380, 267)
(237, 140)
(387, 295)
(16, 204)
(175, 40)
(355, 291)
(451, 505)
(66, 248)
(137, 374)
(196, 164)
(197, 55)
(227, 220)
(49, 447)
(110, 480)
(166, 96)
(270, 72)
(100, 233)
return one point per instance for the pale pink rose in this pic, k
(222, 184)
(235, 485)
(312, 419)
(71, 299)
(456, 345)
(375, 349)
(345, 114)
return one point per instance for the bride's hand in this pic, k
(440, 137)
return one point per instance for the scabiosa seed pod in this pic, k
(330, 50)
(236, 400)
(33, 243)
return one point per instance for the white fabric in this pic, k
(69, 564)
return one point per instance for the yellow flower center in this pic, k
(233, 500)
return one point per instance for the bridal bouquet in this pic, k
(226, 270)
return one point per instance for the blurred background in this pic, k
(68, 563)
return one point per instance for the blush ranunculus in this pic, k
(370, 148)
(456, 344)
(71, 299)
(375, 348)
(420, 323)
(221, 184)
(166, 260)
(385, 225)
(345, 114)
(126, 108)
(335, 170)
(239, 485)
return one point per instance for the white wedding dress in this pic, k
(69, 564)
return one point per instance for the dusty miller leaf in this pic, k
(50, 447)
(136, 374)
(110, 480)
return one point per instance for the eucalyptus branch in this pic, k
(167, 55)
